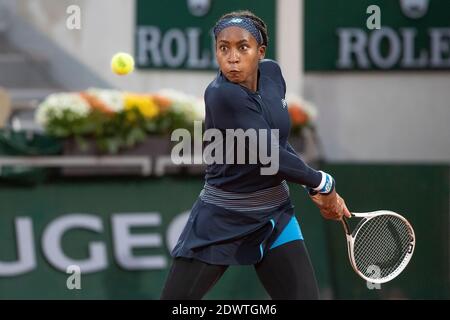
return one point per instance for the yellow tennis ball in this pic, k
(122, 63)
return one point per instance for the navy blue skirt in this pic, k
(220, 236)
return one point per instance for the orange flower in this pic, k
(163, 102)
(95, 103)
(298, 115)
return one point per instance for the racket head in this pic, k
(381, 245)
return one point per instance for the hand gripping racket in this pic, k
(380, 246)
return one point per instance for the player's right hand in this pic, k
(331, 205)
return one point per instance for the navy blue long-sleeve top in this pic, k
(232, 106)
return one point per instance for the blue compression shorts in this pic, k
(290, 233)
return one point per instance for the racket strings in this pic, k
(381, 246)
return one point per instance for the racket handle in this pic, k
(345, 225)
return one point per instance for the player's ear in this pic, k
(262, 51)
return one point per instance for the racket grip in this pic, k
(345, 225)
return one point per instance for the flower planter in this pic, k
(152, 147)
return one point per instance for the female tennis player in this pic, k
(241, 216)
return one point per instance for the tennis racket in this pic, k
(380, 246)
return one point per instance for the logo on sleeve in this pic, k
(284, 103)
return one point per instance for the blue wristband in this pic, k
(326, 185)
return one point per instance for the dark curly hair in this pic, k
(259, 23)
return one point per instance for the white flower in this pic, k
(199, 109)
(56, 103)
(310, 110)
(307, 106)
(113, 99)
(191, 107)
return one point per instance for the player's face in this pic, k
(238, 55)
